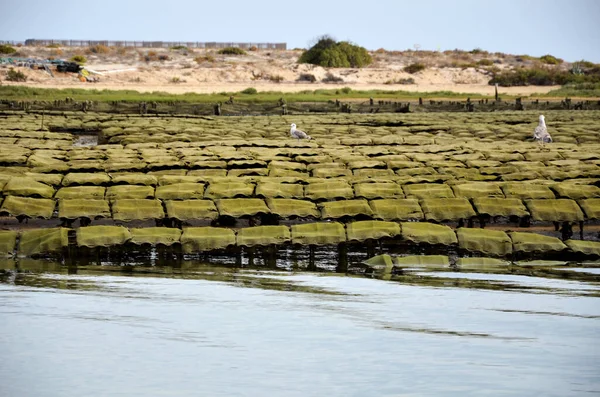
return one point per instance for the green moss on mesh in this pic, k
(42, 241)
(378, 190)
(527, 191)
(191, 209)
(27, 187)
(447, 209)
(8, 240)
(481, 263)
(31, 207)
(472, 190)
(532, 242)
(289, 208)
(558, 210)
(431, 261)
(242, 207)
(155, 236)
(505, 207)
(489, 242)
(129, 192)
(396, 209)
(320, 233)
(364, 230)
(330, 190)
(200, 239)
(102, 236)
(430, 233)
(591, 208)
(81, 192)
(83, 178)
(137, 209)
(180, 191)
(263, 235)
(283, 190)
(231, 189)
(575, 191)
(83, 208)
(427, 190)
(343, 208)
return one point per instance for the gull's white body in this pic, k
(540, 133)
(298, 134)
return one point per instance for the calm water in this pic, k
(207, 330)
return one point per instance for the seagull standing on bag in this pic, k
(541, 134)
(298, 134)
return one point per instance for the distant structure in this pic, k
(151, 44)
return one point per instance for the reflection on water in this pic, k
(198, 328)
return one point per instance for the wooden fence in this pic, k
(150, 44)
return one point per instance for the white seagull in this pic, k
(298, 134)
(541, 134)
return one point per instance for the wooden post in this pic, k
(342, 266)
(496, 89)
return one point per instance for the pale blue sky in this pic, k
(569, 29)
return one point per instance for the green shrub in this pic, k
(485, 62)
(6, 49)
(179, 47)
(330, 78)
(232, 51)
(331, 54)
(80, 59)
(99, 49)
(250, 91)
(478, 51)
(15, 75)
(550, 60)
(346, 90)
(206, 58)
(414, 68)
(544, 76)
(407, 81)
(307, 77)
(585, 64)
(53, 45)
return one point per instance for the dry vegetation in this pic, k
(208, 70)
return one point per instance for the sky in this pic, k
(566, 29)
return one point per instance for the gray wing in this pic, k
(539, 132)
(301, 134)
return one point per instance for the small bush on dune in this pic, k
(206, 58)
(307, 77)
(485, 62)
(80, 59)
(331, 54)
(414, 68)
(544, 76)
(330, 78)
(253, 48)
(15, 75)
(250, 91)
(231, 51)
(179, 47)
(276, 78)
(407, 81)
(6, 49)
(53, 45)
(551, 60)
(98, 49)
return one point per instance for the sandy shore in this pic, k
(208, 72)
